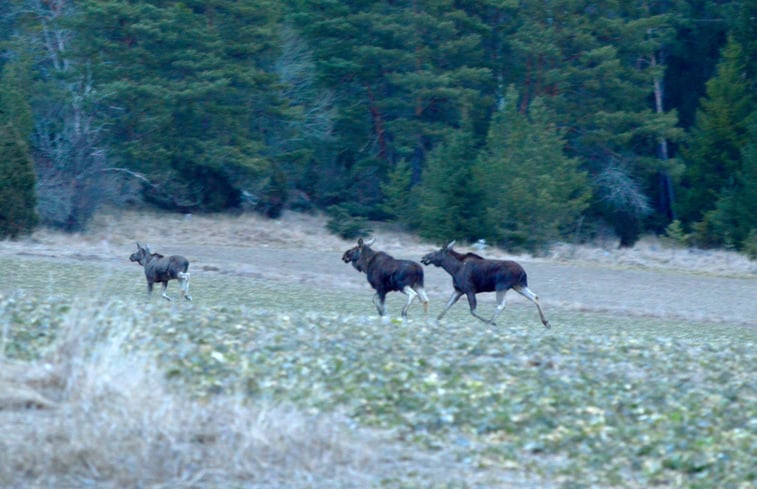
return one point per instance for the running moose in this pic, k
(161, 269)
(387, 274)
(472, 274)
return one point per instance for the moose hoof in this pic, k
(188, 297)
(547, 325)
(166, 298)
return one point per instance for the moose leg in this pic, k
(149, 287)
(411, 295)
(472, 303)
(451, 302)
(423, 297)
(500, 304)
(379, 300)
(528, 294)
(163, 290)
(184, 279)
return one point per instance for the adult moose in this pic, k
(472, 274)
(161, 269)
(387, 274)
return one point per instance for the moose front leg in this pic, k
(379, 300)
(163, 291)
(451, 302)
(472, 303)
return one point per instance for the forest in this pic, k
(522, 122)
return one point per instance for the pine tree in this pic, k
(715, 144)
(191, 102)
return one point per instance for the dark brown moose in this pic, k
(472, 274)
(387, 274)
(161, 269)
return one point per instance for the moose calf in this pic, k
(386, 274)
(159, 268)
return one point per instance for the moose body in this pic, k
(387, 274)
(472, 274)
(161, 269)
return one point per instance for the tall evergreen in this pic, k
(449, 204)
(18, 201)
(714, 151)
(404, 75)
(531, 191)
(190, 101)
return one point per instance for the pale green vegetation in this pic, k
(271, 384)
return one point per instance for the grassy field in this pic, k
(262, 383)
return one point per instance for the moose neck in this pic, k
(366, 255)
(452, 261)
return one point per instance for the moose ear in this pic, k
(370, 242)
(360, 242)
(450, 245)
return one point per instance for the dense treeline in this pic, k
(518, 121)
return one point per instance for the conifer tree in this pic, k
(17, 179)
(532, 192)
(18, 201)
(449, 206)
(714, 151)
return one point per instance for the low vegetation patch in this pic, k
(202, 394)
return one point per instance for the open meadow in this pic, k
(280, 374)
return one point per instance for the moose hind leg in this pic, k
(184, 279)
(500, 304)
(423, 298)
(528, 294)
(411, 295)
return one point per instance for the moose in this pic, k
(387, 274)
(161, 269)
(472, 274)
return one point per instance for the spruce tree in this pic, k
(17, 179)
(532, 192)
(715, 144)
(449, 206)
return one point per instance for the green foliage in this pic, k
(449, 204)
(734, 218)
(18, 214)
(398, 202)
(518, 397)
(532, 192)
(713, 156)
(345, 225)
(188, 96)
(17, 179)
(675, 233)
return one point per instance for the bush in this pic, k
(345, 225)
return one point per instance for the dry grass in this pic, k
(95, 411)
(113, 229)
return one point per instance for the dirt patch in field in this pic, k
(651, 279)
